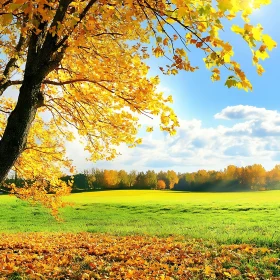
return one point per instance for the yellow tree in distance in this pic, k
(83, 65)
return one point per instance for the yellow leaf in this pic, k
(227, 57)
(260, 69)
(225, 5)
(208, 270)
(227, 274)
(269, 42)
(237, 29)
(170, 20)
(257, 32)
(262, 55)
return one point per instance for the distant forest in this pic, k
(232, 178)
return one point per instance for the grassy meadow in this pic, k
(228, 218)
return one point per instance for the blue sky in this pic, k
(218, 126)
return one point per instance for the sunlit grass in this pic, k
(224, 217)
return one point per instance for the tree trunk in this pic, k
(40, 61)
(19, 122)
(43, 56)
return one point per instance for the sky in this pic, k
(218, 126)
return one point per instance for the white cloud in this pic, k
(246, 112)
(255, 138)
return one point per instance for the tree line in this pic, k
(232, 178)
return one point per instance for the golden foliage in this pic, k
(161, 185)
(88, 256)
(41, 191)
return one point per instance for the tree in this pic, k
(99, 182)
(123, 179)
(111, 179)
(273, 175)
(151, 179)
(172, 178)
(230, 172)
(80, 182)
(190, 178)
(90, 177)
(201, 176)
(161, 185)
(257, 175)
(132, 175)
(162, 175)
(140, 181)
(80, 65)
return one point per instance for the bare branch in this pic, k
(5, 111)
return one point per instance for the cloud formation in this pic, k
(254, 137)
(246, 112)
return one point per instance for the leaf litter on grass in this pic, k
(100, 256)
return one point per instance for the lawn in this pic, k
(226, 218)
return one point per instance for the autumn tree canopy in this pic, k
(80, 68)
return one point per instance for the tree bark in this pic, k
(30, 99)
(19, 122)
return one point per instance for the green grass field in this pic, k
(252, 217)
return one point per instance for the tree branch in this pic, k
(81, 16)
(11, 65)
(55, 83)
(51, 41)
(4, 110)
